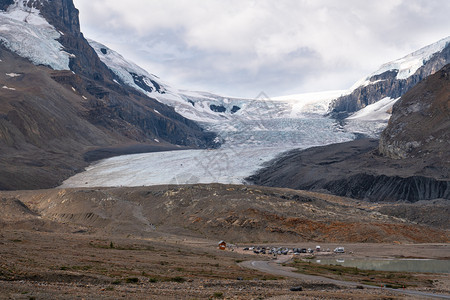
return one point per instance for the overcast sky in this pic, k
(244, 47)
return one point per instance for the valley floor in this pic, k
(160, 242)
(66, 265)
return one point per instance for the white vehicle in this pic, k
(339, 250)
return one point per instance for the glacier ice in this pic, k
(24, 31)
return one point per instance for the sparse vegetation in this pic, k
(178, 279)
(132, 280)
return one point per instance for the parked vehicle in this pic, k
(339, 250)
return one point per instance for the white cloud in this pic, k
(248, 46)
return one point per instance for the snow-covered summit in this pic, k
(393, 79)
(26, 32)
(407, 65)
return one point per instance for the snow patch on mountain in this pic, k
(372, 119)
(24, 31)
(12, 75)
(378, 111)
(130, 73)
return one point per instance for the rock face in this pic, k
(410, 162)
(49, 119)
(420, 122)
(4, 4)
(386, 84)
(63, 15)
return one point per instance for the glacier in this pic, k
(24, 31)
(248, 145)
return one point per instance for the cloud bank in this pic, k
(240, 48)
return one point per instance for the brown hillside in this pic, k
(420, 122)
(231, 212)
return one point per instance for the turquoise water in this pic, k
(401, 265)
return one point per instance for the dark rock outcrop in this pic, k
(389, 188)
(386, 85)
(218, 108)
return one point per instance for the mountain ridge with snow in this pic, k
(393, 79)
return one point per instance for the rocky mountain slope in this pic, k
(60, 101)
(365, 169)
(393, 79)
(420, 123)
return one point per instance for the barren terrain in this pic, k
(161, 242)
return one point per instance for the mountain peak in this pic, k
(393, 79)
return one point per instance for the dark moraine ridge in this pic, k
(354, 169)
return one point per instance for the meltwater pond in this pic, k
(248, 144)
(400, 265)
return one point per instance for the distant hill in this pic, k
(236, 213)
